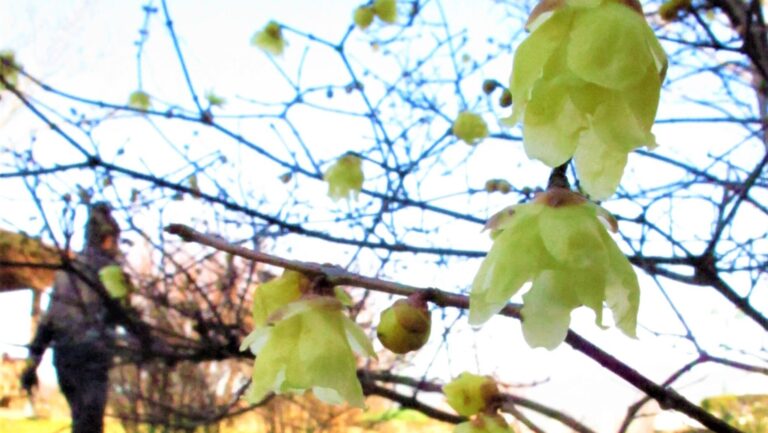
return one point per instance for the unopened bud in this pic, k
(405, 326)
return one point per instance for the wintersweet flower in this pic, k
(303, 341)
(558, 243)
(345, 177)
(470, 393)
(270, 39)
(469, 127)
(386, 10)
(139, 100)
(586, 85)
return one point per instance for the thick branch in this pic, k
(667, 398)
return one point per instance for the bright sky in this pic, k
(87, 48)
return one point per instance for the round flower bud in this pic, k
(505, 100)
(405, 326)
(386, 10)
(500, 185)
(363, 17)
(470, 393)
(489, 86)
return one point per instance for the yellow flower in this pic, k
(139, 100)
(469, 127)
(470, 393)
(558, 243)
(345, 177)
(304, 342)
(586, 85)
(270, 39)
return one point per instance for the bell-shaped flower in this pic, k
(345, 177)
(303, 342)
(558, 243)
(270, 39)
(586, 85)
(470, 393)
(469, 127)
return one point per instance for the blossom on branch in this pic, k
(586, 85)
(558, 243)
(270, 39)
(470, 394)
(345, 177)
(304, 341)
(469, 127)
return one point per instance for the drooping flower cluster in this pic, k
(304, 341)
(345, 177)
(478, 397)
(270, 39)
(586, 85)
(558, 243)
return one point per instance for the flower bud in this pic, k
(405, 326)
(505, 100)
(363, 17)
(270, 39)
(500, 185)
(8, 68)
(489, 86)
(386, 10)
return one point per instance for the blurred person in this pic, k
(78, 327)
